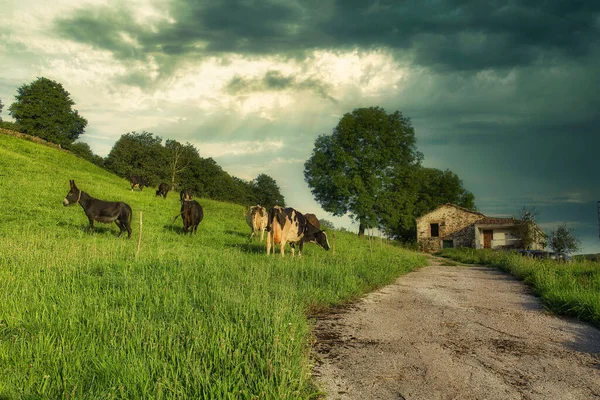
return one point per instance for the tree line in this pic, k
(44, 109)
(180, 165)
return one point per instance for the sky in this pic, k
(503, 93)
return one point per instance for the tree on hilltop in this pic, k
(138, 154)
(267, 192)
(84, 151)
(43, 108)
(179, 156)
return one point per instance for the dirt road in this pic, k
(451, 332)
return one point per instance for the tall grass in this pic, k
(204, 316)
(568, 288)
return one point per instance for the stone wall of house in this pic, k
(464, 237)
(454, 224)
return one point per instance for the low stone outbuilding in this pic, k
(450, 226)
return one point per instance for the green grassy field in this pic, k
(204, 316)
(571, 288)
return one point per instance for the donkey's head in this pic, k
(73, 196)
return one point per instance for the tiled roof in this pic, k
(495, 221)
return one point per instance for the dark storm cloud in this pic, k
(275, 80)
(448, 35)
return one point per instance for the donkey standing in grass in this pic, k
(100, 210)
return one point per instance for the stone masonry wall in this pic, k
(454, 224)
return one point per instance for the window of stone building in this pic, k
(448, 244)
(435, 230)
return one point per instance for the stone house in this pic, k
(450, 225)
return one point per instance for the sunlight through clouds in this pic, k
(220, 149)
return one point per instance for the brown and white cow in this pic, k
(257, 218)
(312, 219)
(288, 225)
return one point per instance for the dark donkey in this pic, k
(100, 210)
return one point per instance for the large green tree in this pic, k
(415, 191)
(352, 170)
(436, 187)
(43, 108)
(139, 154)
(267, 192)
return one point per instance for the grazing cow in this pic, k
(100, 210)
(288, 225)
(192, 214)
(313, 220)
(257, 219)
(139, 181)
(163, 189)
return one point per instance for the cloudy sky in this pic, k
(504, 93)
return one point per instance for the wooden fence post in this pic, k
(333, 243)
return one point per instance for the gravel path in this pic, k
(455, 332)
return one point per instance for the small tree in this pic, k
(43, 109)
(562, 240)
(180, 157)
(1, 107)
(326, 224)
(526, 228)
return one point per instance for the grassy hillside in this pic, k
(204, 316)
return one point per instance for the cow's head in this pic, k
(320, 238)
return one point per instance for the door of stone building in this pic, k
(487, 239)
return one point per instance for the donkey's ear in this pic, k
(71, 182)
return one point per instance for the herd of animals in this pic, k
(283, 225)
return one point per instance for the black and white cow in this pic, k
(288, 225)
